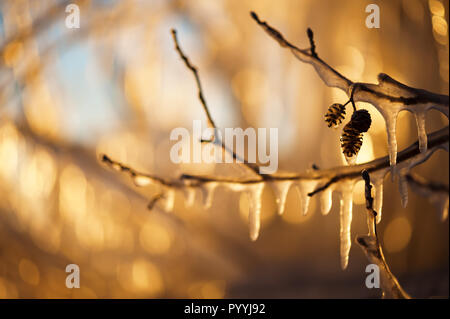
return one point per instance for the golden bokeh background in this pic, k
(117, 86)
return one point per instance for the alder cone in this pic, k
(335, 115)
(352, 137)
(361, 120)
(351, 141)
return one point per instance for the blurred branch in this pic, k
(373, 250)
(39, 24)
(436, 193)
(426, 186)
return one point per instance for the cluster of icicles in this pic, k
(281, 188)
(344, 187)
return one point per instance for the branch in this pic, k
(329, 75)
(191, 67)
(364, 92)
(332, 175)
(373, 250)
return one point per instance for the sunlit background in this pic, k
(116, 86)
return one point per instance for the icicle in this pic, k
(189, 194)
(304, 187)
(403, 188)
(346, 208)
(422, 133)
(326, 200)
(281, 190)
(169, 200)
(254, 216)
(378, 198)
(391, 124)
(141, 181)
(208, 194)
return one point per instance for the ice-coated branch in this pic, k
(389, 96)
(371, 246)
(436, 141)
(329, 75)
(333, 175)
(328, 176)
(386, 95)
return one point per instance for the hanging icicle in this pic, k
(254, 192)
(281, 189)
(346, 190)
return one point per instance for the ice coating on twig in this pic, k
(141, 180)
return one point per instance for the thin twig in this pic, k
(252, 166)
(133, 173)
(194, 70)
(332, 78)
(310, 34)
